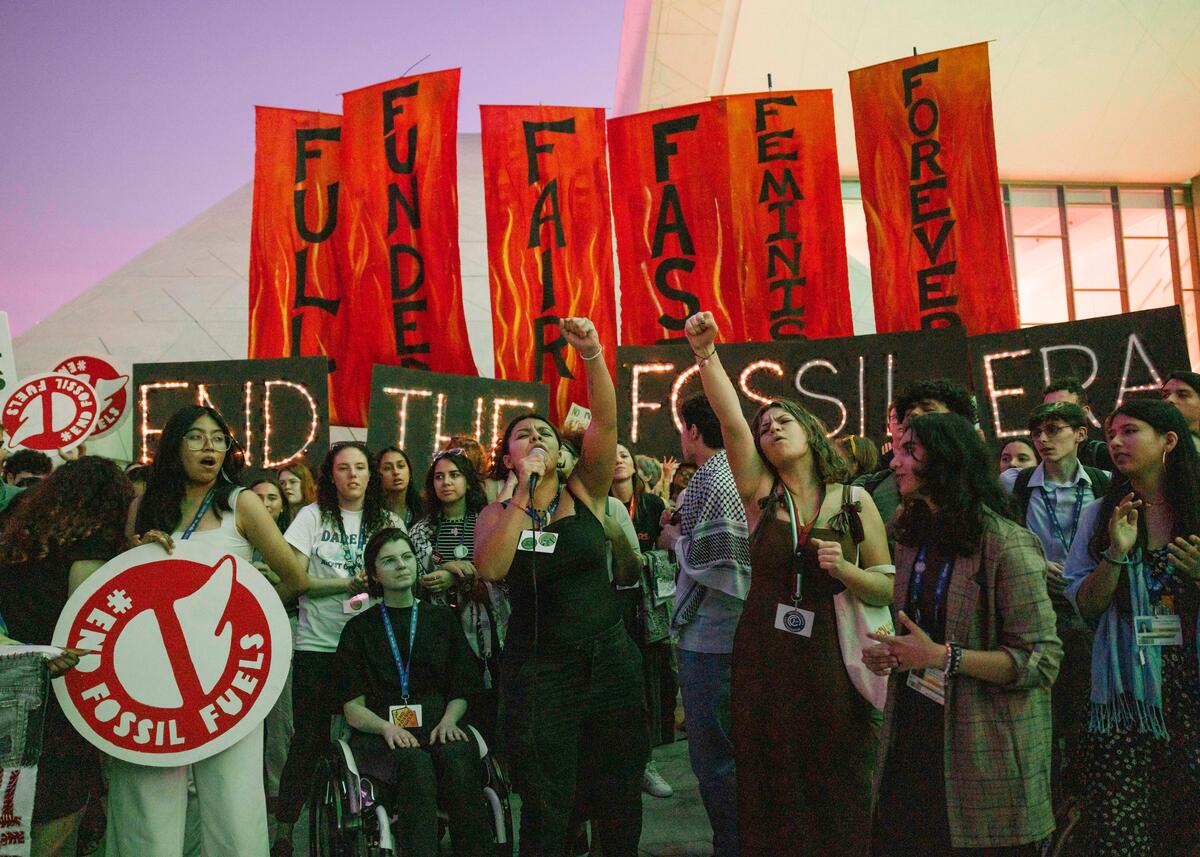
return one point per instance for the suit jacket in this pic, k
(997, 739)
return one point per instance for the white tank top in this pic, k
(224, 538)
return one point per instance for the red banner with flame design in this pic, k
(295, 296)
(545, 182)
(931, 190)
(400, 227)
(671, 209)
(787, 194)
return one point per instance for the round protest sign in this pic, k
(188, 652)
(111, 386)
(49, 412)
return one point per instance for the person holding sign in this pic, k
(192, 493)
(403, 671)
(1133, 570)
(571, 707)
(965, 749)
(813, 745)
(330, 535)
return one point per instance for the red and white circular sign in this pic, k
(189, 653)
(111, 386)
(49, 412)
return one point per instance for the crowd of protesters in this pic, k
(933, 648)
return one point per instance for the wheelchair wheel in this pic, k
(334, 829)
(496, 792)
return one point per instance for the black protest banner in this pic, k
(1115, 357)
(848, 382)
(277, 409)
(420, 411)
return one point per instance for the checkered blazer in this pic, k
(997, 739)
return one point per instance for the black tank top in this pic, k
(575, 600)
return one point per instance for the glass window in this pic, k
(1089, 195)
(855, 217)
(1148, 273)
(1143, 214)
(1041, 280)
(1190, 327)
(1035, 211)
(1093, 247)
(1092, 304)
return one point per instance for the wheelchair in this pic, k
(347, 815)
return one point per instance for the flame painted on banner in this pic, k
(545, 180)
(931, 192)
(671, 208)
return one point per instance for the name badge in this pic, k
(355, 604)
(1158, 630)
(405, 716)
(537, 542)
(793, 620)
(930, 683)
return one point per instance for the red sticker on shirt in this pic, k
(49, 412)
(111, 386)
(190, 652)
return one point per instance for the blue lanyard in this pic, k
(401, 667)
(540, 519)
(204, 506)
(939, 592)
(1052, 511)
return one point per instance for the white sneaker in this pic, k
(654, 784)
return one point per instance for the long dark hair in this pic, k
(159, 508)
(639, 484)
(957, 476)
(476, 497)
(412, 494)
(377, 543)
(284, 518)
(499, 469)
(1181, 475)
(375, 513)
(85, 498)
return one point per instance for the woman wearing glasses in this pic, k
(192, 493)
(330, 535)
(445, 542)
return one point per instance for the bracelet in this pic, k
(1104, 556)
(596, 356)
(954, 653)
(702, 359)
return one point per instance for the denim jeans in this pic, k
(24, 683)
(704, 682)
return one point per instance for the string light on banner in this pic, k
(144, 401)
(862, 396)
(756, 366)
(204, 400)
(314, 423)
(676, 389)
(1087, 382)
(637, 405)
(995, 395)
(804, 391)
(499, 405)
(1156, 379)
(478, 416)
(402, 409)
(440, 438)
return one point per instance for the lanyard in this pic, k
(541, 519)
(800, 538)
(204, 506)
(352, 559)
(401, 667)
(939, 592)
(1052, 511)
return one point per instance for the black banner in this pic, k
(278, 409)
(420, 411)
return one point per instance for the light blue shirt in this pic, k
(1080, 562)
(1062, 500)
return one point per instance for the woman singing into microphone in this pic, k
(571, 707)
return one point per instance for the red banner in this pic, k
(545, 181)
(931, 190)
(789, 232)
(400, 221)
(671, 207)
(294, 291)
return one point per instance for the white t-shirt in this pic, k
(322, 619)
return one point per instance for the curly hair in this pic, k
(375, 511)
(955, 397)
(476, 498)
(828, 463)
(475, 451)
(167, 482)
(1181, 475)
(88, 497)
(957, 477)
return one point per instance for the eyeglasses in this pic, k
(219, 441)
(1049, 431)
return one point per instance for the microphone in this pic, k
(534, 477)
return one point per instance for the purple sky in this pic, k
(122, 121)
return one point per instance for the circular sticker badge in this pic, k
(188, 653)
(110, 384)
(49, 412)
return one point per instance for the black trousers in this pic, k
(313, 704)
(449, 775)
(573, 723)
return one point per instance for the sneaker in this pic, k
(654, 784)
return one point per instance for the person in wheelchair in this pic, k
(403, 671)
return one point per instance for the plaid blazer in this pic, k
(997, 739)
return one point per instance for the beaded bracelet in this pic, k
(954, 654)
